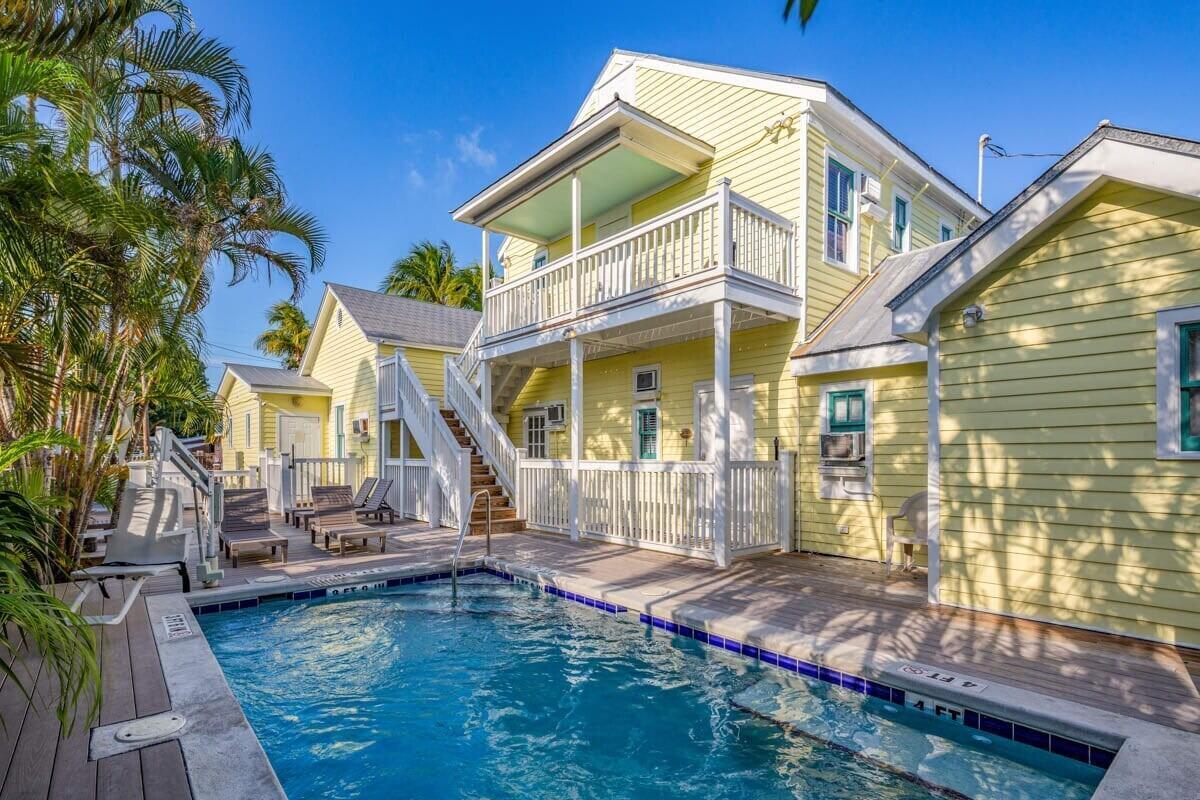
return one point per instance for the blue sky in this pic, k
(384, 116)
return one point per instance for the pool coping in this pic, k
(1152, 762)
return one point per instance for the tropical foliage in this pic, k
(430, 272)
(124, 194)
(288, 334)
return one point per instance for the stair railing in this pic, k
(492, 439)
(468, 359)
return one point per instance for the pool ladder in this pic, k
(464, 526)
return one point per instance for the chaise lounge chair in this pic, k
(302, 517)
(246, 522)
(336, 519)
(376, 505)
(146, 542)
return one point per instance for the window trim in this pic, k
(867, 387)
(901, 196)
(638, 408)
(541, 253)
(657, 370)
(535, 411)
(849, 426)
(246, 427)
(1169, 363)
(851, 263)
(339, 431)
(943, 226)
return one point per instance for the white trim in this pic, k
(800, 226)
(906, 245)
(658, 438)
(933, 473)
(851, 264)
(867, 385)
(1169, 413)
(880, 355)
(247, 429)
(1166, 171)
(333, 422)
(535, 411)
(736, 383)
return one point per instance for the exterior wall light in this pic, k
(971, 315)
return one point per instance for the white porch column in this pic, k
(576, 431)
(433, 503)
(485, 261)
(726, 234)
(722, 386)
(933, 477)
(576, 238)
(403, 493)
(485, 385)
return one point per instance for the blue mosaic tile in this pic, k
(733, 646)
(393, 582)
(880, 690)
(970, 718)
(830, 676)
(700, 636)
(251, 602)
(1102, 758)
(300, 595)
(658, 622)
(644, 618)
(1069, 748)
(231, 605)
(716, 641)
(996, 727)
(787, 662)
(769, 657)
(808, 669)
(405, 581)
(210, 609)
(854, 683)
(750, 651)
(671, 626)
(1033, 737)
(612, 609)
(897, 696)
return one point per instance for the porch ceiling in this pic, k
(620, 154)
(680, 326)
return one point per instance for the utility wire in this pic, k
(996, 151)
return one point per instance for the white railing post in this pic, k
(403, 466)
(485, 277)
(432, 503)
(464, 487)
(576, 431)
(725, 215)
(351, 472)
(518, 482)
(787, 500)
(285, 482)
(576, 240)
(485, 385)
(722, 386)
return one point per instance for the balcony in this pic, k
(721, 238)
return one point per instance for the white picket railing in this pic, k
(498, 449)
(272, 471)
(468, 359)
(247, 478)
(387, 384)
(760, 505)
(672, 247)
(306, 473)
(545, 485)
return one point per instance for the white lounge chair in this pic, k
(147, 541)
(916, 510)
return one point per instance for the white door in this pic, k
(741, 423)
(303, 433)
(535, 435)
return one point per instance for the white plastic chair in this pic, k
(146, 542)
(916, 510)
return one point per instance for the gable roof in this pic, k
(811, 89)
(862, 321)
(271, 379)
(1166, 163)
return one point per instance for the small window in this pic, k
(847, 411)
(947, 232)
(247, 429)
(646, 430)
(645, 379)
(839, 211)
(1189, 387)
(339, 432)
(540, 258)
(900, 224)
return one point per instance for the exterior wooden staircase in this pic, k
(504, 515)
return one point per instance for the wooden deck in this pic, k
(835, 600)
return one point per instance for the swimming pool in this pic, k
(513, 694)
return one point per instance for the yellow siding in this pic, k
(608, 395)
(1053, 502)
(828, 283)
(900, 428)
(345, 362)
(238, 403)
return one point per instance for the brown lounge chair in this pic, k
(246, 522)
(376, 505)
(336, 519)
(302, 517)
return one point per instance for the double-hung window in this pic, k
(541, 258)
(839, 211)
(339, 431)
(646, 432)
(247, 429)
(947, 232)
(1189, 387)
(847, 411)
(900, 224)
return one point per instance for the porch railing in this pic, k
(309, 472)
(497, 448)
(387, 384)
(721, 229)
(408, 495)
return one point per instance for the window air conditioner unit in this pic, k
(361, 428)
(556, 416)
(870, 189)
(645, 383)
(843, 448)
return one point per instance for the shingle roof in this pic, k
(863, 319)
(275, 378)
(400, 319)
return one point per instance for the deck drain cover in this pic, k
(270, 579)
(656, 591)
(155, 727)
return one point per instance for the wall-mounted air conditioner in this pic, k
(870, 190)
(841, 449)
(361, 428)
(556, 416)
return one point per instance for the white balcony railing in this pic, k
(387, 384)
(718, 230)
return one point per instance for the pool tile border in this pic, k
(985, 723)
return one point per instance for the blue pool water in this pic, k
(393, 694)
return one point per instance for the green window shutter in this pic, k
(1189, 386)
(847, 411)
(647, 433)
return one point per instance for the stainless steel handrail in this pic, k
(463, 527)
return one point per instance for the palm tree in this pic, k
(430, 273)
(805, 11)
(288, 335)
